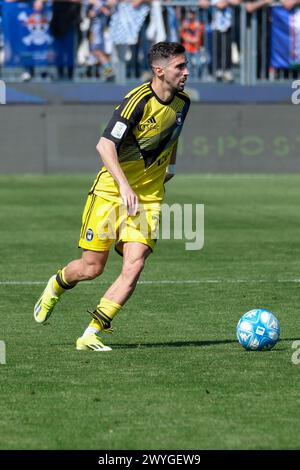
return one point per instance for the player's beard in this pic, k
(176, 86)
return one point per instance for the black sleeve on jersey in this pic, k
(118, 127)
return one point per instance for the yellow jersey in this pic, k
(145, 131)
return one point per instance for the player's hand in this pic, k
(130, 199)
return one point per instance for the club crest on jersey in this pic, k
(89, 235)
(179, 119)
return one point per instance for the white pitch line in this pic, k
(182, 281)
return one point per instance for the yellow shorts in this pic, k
(106, 222)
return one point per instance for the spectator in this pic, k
(221, 26)
(125, 27)
(192, 40)
(138, 63)
(99, 12)
(66, 17)
(263, 35)
(171, 24)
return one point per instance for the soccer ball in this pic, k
(258, 329)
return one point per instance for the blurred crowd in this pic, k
(110, 32)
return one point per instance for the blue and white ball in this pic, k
(258, 329)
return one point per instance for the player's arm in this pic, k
(109, 156)
(171, 168)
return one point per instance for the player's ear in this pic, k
(158, 70)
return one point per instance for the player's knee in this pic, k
(91, 271)
(132, 269)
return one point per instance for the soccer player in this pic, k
(138, 149)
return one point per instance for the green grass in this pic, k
(176, 378)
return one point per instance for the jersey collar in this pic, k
(157, 97)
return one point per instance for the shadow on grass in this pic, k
(280, 347)
(173, 344)
(197, 344)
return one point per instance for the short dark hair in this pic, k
(164, 50)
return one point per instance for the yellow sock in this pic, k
(62, 273)
(60, 285)
(95, 325)
(109, 307)
(106, 310)
(57, 288)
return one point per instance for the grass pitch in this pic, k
(176, 378)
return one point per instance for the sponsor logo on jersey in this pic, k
(119, 130)
(148, 125)
(89, 235)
